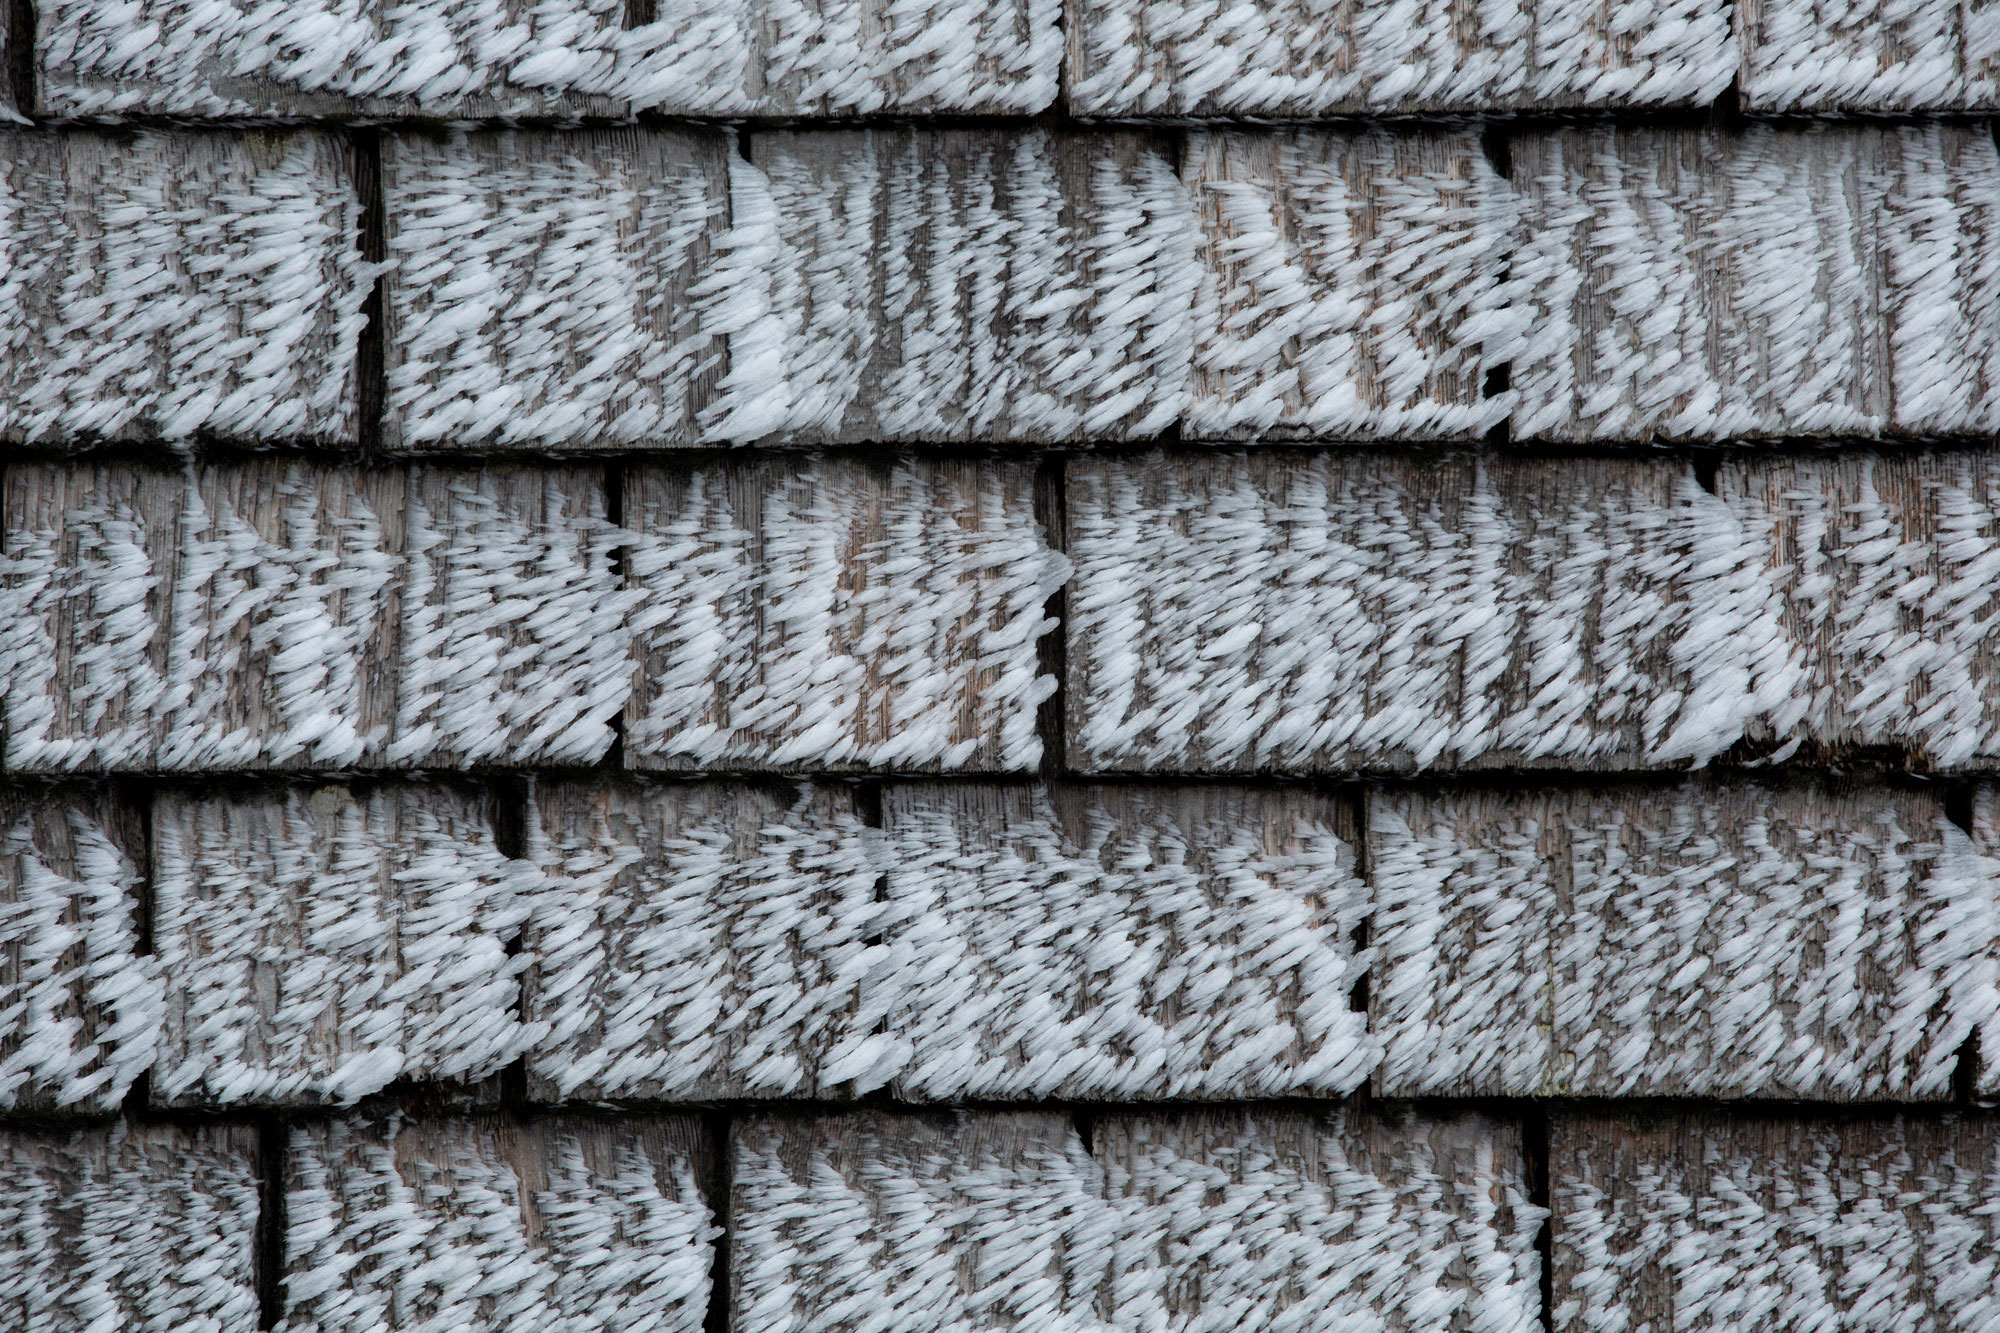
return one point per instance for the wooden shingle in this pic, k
(1871, 56)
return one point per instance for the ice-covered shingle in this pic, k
(393, 1225)
(1706, 940)
(1869, 55)
(930, 284)
(142, 1228)
(1788, 1223)
(1296, 1219)
(464, 59)
(1700, 284)
(1350, 285)
(79, 1002)
(1306, 58)
(317, 945)
(172, 285)
(540, 289)
(831, 613)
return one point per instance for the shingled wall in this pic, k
(832, 666)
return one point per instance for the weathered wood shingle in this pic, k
(875, 1220)
(540, 294)
(179, 285)
(79, 1003)
(1289, 1218)
(1299, 58)
(317, 945)
(1351, 284)
(930, 284)
(1706, 940)
(396, 1225)
(835, 614)
(1699, 284)
(1787, 1223)
(151, 1229)
(1869, 55)
(464, 59)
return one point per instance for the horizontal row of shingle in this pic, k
(627, 289)
(1332, 611)
(470, 58)
(663, 942)
(1161, 1221)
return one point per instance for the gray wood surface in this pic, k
(878, 1219)
(225, 616)
(147, 1228)
(541, 295)
(318, 944)
(78, 1003)
(1697, 1220)
(169, 285)
(1698, 284)
(1122, 943)
(397, 1223)
(829, 614)
(1350, 280)
(482, 59)
(1297, 1218)
(1707, 939)
(969, 285)
(698, 941)
(1296, 58)
(1939, 55)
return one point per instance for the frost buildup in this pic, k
(834, 614)
(922, 284)
(1698, 284)
(1703, 941)
(1701, 1221)
(1130, 944)
(1287, 1219)
(1874, 55)
(540, 288)
(1301, 58)
(863, 1221)
(468, 59)
(319, 945)
(146, 1229)
(1350, 284)
(79, 1007)
(163, 286)
(582, 1226)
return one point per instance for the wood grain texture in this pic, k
(1336, 611)
(79, 1004)
(1979, 981)
(514, 639)
(1351, 284)
(963, 285)
(1884, 565)
(1698, 284)
(1290, 1218)
(1294, 58)
(987, 1220)
(483, 59)
(701, 940)
(1700, 1221)
(171, 285)
(560, 1222)
(1714, 940)
(830, 614)
(148, 1228)
(318, 945)
(1121, 943)
(541, 294)
(1866, 55)
(222, 616)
